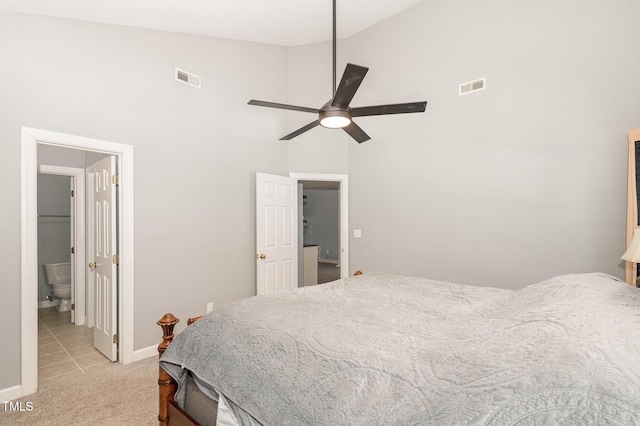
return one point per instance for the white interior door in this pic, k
(276, 233)
(104, 263)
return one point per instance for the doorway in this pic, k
(76, 213)
(279, 242)
(331, 254)
(320, 231)
(31, 139)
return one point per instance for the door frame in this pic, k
(30, 139)
(344, 212)
(77, 176)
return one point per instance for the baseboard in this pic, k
(9, 394)
(145, 353)
(48, 303)
(335, 262)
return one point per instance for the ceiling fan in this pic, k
(336, 113)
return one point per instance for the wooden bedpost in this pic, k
(166, 384)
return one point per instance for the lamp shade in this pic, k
(633, 251)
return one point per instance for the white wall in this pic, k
(196, 153)
(507, 186)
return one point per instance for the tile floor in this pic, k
(64, 349)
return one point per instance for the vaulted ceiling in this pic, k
(282, 22)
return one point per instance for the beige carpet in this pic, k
(114, 395)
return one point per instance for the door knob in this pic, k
(92, 265)
(262, 256)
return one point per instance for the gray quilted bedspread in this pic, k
(383, 349)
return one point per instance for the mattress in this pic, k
(382, 349)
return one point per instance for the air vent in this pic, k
(472, 86)
(187, 78)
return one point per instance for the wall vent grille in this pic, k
(472, 86)
(188, 78)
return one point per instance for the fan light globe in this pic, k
(335, 122)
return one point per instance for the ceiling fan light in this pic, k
(334, 117)
(335, 122)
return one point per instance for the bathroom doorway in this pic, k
(55, 224)
(61, 233)
(32, 141)
(66, 349)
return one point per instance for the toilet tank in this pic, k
(58, 273)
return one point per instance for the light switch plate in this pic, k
(357, 233)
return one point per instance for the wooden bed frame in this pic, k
(169, 411)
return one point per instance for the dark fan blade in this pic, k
(356, 132)
(351, 79)
(300, 131)
(282, 106)
(389, 109)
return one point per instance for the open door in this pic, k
(104, 264)
(276, 233)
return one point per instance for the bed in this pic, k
(394, 350)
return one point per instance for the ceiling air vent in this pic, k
(472, 86)
(188, 78)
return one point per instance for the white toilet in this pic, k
(59, 278)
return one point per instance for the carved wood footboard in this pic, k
(169, 412)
